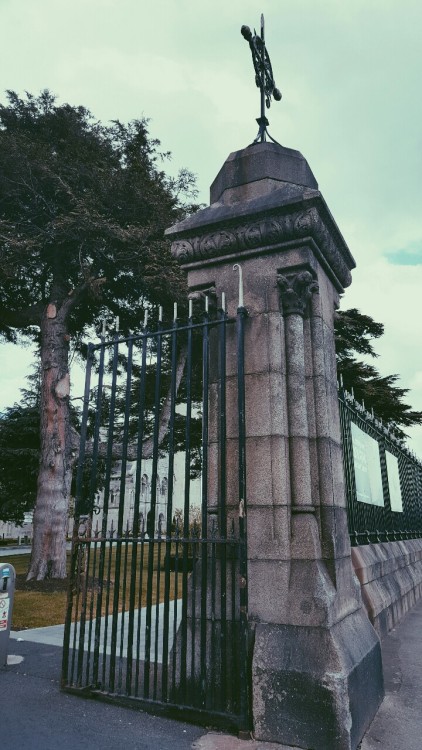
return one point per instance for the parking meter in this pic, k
(7, 590)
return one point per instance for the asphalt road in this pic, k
(35, 715)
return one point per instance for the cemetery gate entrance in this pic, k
(157, 607)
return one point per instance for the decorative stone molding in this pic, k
(296, 290)
(263, 232)
(197, 295)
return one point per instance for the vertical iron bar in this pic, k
(195, 555)
(176, 593)
(91, 611)
(93, 484)
(109, 549)
(123, 612)
(103, 546)
(204, 519)
(125, 437)
(82, 623)
(93, 488)
(235, 635)
(243, 562)
(215, 658)
(80, 509)
(186, 510)
(76, 611)
(135, 529)
(116, 571)
(118, 557)
(140, 595)
(151, 522)
(75, 546)
(157, 610)
(166, 618)
(222, 504)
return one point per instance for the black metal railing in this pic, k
(383, 478)
(157, 606)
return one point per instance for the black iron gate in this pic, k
(157, 608)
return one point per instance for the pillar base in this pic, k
(316, 687)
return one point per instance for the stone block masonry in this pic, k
(316, 669)
(390, 575)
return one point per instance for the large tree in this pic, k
(355, 333)
(83, 208)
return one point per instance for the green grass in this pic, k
(35, 608)
(39, 604)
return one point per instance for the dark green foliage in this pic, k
(19, 459)
(83, 209)
(354, 333)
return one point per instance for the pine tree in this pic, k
(354, 334)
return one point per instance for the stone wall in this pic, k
(390, 575)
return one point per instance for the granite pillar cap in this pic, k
(280, 204)
(259, 169)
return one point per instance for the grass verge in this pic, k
(37, 603)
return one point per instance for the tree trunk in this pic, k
(48, 559)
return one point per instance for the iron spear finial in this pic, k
(264, 78)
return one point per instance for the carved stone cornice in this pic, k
(263, 232)
(296, 290)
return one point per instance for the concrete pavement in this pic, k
(53, 635)
(37, 716)
(398, 723)
(22, 549)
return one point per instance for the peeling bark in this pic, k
(48, 559)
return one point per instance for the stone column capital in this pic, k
(296, 289)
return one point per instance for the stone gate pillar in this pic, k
(316, 663)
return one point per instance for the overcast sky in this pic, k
(350, 75)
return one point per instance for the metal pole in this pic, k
(263, 129)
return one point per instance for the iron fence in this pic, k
(383, 478)
(157, 606)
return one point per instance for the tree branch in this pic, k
(22, 318)
(75, 294)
